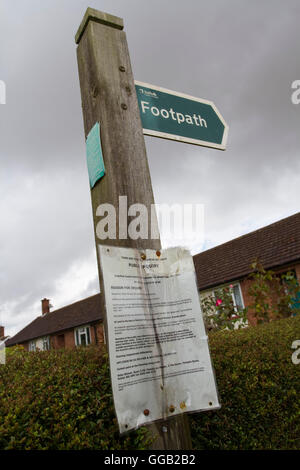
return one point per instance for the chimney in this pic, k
(45, 306)
(1, 332)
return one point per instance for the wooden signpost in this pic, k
(108, 97)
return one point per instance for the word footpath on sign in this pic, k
(177, 116)
(158, 348)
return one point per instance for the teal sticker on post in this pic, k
(94, 155)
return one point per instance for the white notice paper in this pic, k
(159, 357)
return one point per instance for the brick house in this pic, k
(276, 246)
(80, 323)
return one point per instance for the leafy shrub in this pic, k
(273, 295)
(60, 400)
(259, 389)
(219, 311)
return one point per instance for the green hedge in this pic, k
(62, 399)
(259, 389)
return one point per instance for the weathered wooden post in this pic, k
(108, 96)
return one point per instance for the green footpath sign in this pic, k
(176, 116)
(94, 155)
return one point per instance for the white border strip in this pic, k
(164, 135)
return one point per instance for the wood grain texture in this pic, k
(108, 96)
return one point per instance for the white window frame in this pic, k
(232, 293)
(32, 346)
(85, 329)
(241, 295)
(46, 341)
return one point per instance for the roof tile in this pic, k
(274, 245)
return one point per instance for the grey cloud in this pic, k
(241, 55)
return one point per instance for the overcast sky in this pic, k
(241, 55)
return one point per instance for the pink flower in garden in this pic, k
(218, 302)
(231, 286)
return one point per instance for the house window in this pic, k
(290, 283)
(46, 343)
(236, 296)
(82, 336)
(32, 346)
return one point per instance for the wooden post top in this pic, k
(100, 17)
